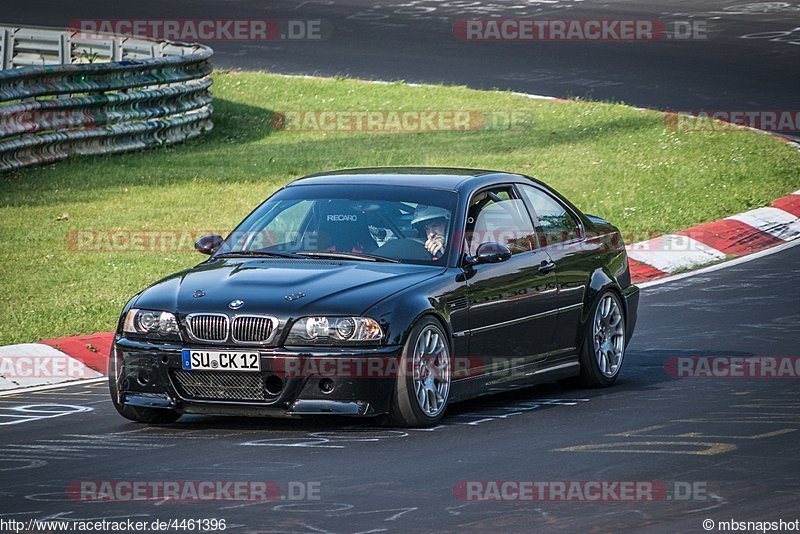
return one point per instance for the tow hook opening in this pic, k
(273, 385)
(326, 385)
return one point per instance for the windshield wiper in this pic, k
(348, 256)
(260, 253)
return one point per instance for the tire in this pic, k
(604, 342)
(422, 386)
(136, 413)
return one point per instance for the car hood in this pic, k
(282, 287)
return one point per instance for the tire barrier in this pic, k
(65, 93)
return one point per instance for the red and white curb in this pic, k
(54, 362)
(62, 360)
(708, 243)
(713, 242)
(32, 366)
(734, 236)
(85, 358)
(37, 366)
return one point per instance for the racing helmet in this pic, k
(425, 214)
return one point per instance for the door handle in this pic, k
(546, 266)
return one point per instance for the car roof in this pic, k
(450, 178)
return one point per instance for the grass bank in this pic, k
(612, 161)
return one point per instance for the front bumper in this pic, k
(307, 381)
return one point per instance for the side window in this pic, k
(495, 216)
(558, 224)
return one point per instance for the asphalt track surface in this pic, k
(731, 439)
(738, 66)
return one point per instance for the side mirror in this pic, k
(490, 253)
(208, 244)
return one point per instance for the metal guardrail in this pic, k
(63, 93)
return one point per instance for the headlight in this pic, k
(151, 323)
(335, 331)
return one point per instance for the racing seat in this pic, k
(342, 228)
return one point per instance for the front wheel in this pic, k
(604, 342)
(135, 413)
(422, 385)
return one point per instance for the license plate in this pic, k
(213, 360)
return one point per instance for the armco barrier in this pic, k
(64, 93)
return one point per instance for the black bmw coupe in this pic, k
(380, 292)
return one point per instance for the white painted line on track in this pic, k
(720, 266)
(34, 389)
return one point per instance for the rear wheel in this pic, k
(604, 342)
(136, 413)
(422, 386)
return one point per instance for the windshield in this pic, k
(369, 223)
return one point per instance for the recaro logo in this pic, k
(339, 218)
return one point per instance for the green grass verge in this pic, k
(610, 160)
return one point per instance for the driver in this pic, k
(432, 222)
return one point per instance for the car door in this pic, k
(562, 236)
(512, 304)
